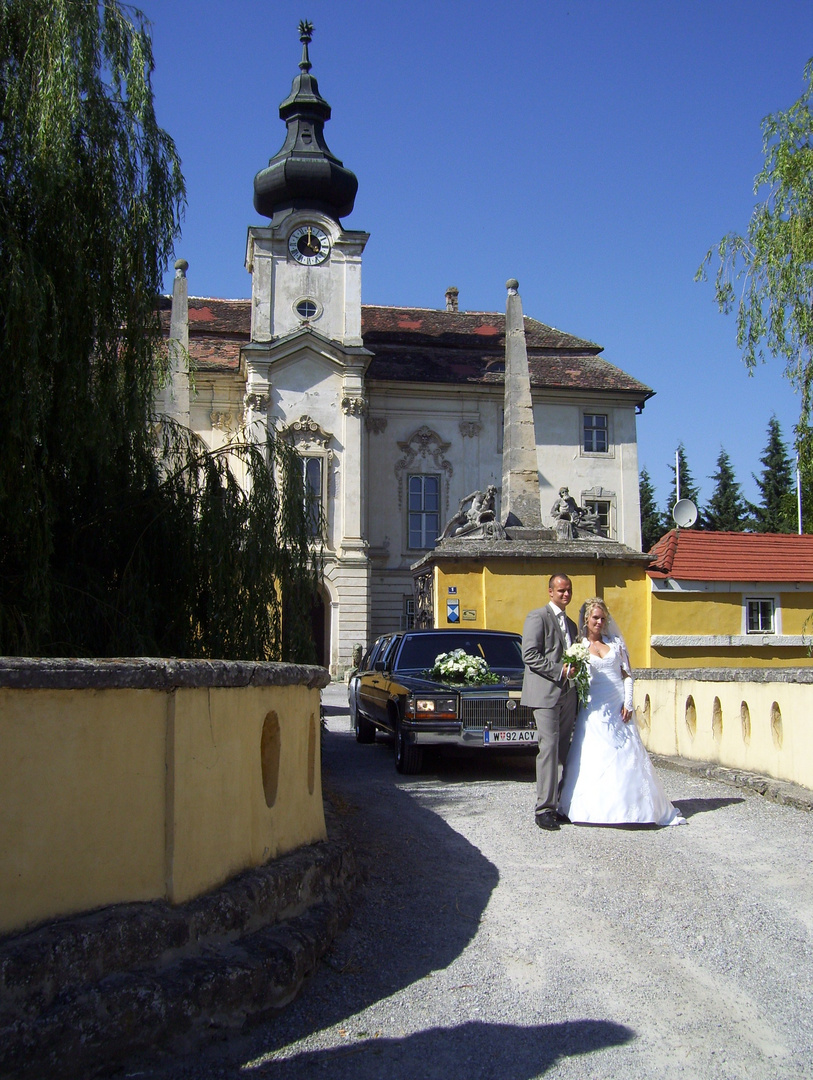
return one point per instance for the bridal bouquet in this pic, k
(458, 667)
(577, 655)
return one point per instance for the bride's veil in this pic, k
(611, 633)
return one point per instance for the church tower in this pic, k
(305, 363)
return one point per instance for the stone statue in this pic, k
(476, 513)
(572, 520)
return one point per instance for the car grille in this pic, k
(477, 713)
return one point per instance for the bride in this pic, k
(609, 779)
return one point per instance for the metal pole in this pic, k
(799, 494)
(677, 476)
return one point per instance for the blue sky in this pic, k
(593, 149)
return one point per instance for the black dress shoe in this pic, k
(546, 819)
(562, 818)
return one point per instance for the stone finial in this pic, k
(512, 285)
(451, 298)
(181, 266)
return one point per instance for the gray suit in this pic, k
(551, 696)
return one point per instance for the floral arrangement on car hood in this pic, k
(458, 667)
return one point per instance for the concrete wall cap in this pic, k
(150, 673)
(741, 674)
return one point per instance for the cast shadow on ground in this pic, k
(424, 892)
(461, 765)
(690, 807)
(334, 710)
(466, 1052)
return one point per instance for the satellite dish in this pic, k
(684, 513)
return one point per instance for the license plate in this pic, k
(512, 736)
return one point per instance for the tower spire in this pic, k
(304, 174)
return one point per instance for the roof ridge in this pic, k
(221, 299)
(437, 311)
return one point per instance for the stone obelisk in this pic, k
(520, 503)
(178, 390)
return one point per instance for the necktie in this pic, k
(563, 625)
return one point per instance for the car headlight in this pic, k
(432, 708)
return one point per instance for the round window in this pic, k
(306, 309)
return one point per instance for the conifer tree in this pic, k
(776, 510)
(688, 488)
(109, 543)
(727, 510)
(652, 522)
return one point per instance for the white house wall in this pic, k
(470, 421)
(563, 462)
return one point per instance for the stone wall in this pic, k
(137, 780)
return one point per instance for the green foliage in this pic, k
(652, 521)
(110, 543)
(776, 510)
(774, 261)
(727, 510)
(688, 488)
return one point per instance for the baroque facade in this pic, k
(397, 411)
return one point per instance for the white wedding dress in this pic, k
(609, 779)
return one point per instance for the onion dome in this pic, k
(303, 174)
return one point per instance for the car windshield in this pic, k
(418, 651)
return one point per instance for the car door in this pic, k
(373, 686)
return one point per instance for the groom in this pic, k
(545, 688)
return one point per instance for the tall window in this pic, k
(596, 436)
(408, 617)
(424, 510)
(600, 507)
(760, 616)
(312, 469)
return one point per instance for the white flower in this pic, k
(578, 652)
(578, 656)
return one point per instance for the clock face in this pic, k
(309, 245)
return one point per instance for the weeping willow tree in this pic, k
(113, 542)
(766, 275)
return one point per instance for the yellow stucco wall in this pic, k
(501, 592)
(697, 613)
(760, 727)
(109, 796)
(82, 795)
(721, 614)
(797, 612)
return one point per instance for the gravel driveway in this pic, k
(482, 947)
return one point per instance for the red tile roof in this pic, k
(423, 345)
(688, 555)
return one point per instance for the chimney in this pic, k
(451, 298)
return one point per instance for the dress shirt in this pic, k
(562, 618)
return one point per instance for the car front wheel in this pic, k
(408, 757)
